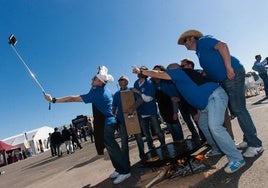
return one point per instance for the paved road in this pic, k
(84, 169)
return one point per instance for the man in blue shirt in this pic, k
(212, 101)
(259, 66)
(101, 99)
(167, 100)
(147, 111)
(219, 66)
(118, 111)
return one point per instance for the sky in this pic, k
(64, 41)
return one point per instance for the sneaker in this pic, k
(114, 175)
(212, 153)
(242, 145)
(121, 177)
(253, 151)
(234, 166)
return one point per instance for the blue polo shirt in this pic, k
(211, 61)
(194, 93)
(148, 89)
(102, 99)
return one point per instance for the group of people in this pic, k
(203, 96)
(68, 136)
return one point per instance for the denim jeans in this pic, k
(58, 149)
(69, 146)
(124, 143)
(120, 163)
(211, 123)
(145, 126)
(237, 103)
(175, 131)
(187, 119)
(264, 77)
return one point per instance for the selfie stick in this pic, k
(13, 42)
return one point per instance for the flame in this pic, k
(170, 171)
(200, 157)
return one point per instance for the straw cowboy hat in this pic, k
(189, 33)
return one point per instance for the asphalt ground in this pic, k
(85, 169)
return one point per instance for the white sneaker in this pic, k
(121, 177)
(253, 151)
(114, 175)
(242, 145)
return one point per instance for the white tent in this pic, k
(35, 140)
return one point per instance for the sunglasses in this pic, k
(186, 39)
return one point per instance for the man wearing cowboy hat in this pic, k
(211, 100)
(214, 57)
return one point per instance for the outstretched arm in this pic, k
(152, 73)
(73, 98)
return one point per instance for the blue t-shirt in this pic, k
(260, 66)
(211, 61)
(168, 87)
(195, 94)
(118, 103)
(102, 99)
(148, 89)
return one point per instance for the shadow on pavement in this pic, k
(42, 162)
(93, 159)
(261, 101)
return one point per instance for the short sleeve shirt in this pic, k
(211, 60)
(102, 99)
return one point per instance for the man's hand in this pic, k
(135, 90)
(48, 97)
(135, 70)
(131, 110)
(230, 73)
(197, 116)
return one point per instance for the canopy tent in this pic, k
(4, 149)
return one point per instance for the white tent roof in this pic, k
(31, 135)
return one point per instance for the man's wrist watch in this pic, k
(54, 100)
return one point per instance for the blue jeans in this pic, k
(124, 142)
(58, 149)
(211, 123)
(175, 131)
(187, 119)
(264, 77)
(120, 163)
(237, 103)
(145, 126)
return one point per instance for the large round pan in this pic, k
(171, 152)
